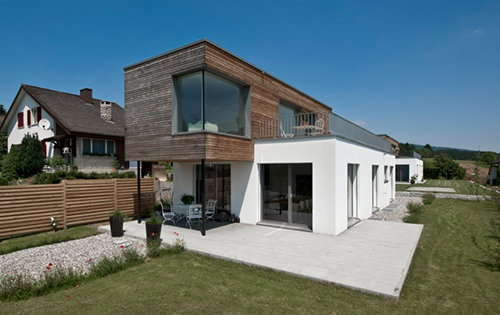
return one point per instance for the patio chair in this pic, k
(167, 215)
(283, 134)
(211, 209)
(319, 127)
(194, 214)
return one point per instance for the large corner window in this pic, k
(207, 102)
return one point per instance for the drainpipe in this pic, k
(139, 192)
(202, 193)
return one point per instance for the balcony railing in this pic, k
(316, 124)
(299, 125)
(345, 129)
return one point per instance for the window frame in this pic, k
(246, 95)
(91, 153)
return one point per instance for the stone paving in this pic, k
(372, 256)
(400, 194)
(397, 210)
(434, 189)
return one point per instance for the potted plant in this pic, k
(153, 227)
(187, 199)
(116, 222)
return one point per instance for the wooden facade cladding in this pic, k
(148, 106)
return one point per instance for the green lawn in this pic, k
(461, 186)
(40, 239)
(444, 279)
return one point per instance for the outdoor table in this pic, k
(304, 130)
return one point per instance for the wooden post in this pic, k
(64, 205)
(116, 194)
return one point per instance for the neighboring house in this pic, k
(87, 132)
(406, 167)
(273, 154)
(493, 173)
(393, 142)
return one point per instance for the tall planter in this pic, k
(116, 224)
(153, 231)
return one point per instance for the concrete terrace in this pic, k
(372, 256)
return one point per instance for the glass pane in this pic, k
(217, 184)
(98, 147)
(275, 192)
(189, 102)
(224, 106)
(111, 147)
(86, 147)
(302, 202)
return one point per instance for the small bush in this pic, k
(428, 199)
(11, 164)
(415, 207)
(3, 181)
(55, 178)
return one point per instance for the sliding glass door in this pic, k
(217, 184)
(287, 193)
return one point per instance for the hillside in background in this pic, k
(428, 151)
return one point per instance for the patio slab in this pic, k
(433, 189)
(373, 256)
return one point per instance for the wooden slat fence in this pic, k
(28, 208)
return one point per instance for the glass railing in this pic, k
(315, 124)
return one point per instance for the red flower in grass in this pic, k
(90, 259)
(152, 234)
(15, 272)
(121, 246)
(50, 265)
(48, 268)
(68, 295)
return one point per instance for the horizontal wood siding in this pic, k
(28, 208)
(148, 106)
(266, 91)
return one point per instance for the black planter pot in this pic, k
(116, 224)
(153, 231)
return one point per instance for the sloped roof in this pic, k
(71, 112)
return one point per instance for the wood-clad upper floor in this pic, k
(151, 114)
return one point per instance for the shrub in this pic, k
(415, 207)
(11, 164)
(55, 178)
(3, 181)
(31, 157)
(56, 162)
(428, 199)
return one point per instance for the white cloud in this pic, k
(478, 32)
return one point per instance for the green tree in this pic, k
(3, 148)
(2, 110)
(448, 168)
(488, 157)
(31, 157)
(11, 164)
(426, 151)
(406, 149)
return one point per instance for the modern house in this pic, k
(273, 155)
(393, 143)
(87, 132)
(407, 167)
(493, 173)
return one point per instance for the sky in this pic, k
(419, 71)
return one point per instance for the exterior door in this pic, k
(403, 173)
(374, 187)
(287, 193)
(352, 193)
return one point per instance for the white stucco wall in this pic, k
(329, 157)
(349, 153)
(416, 166)
(16, 134)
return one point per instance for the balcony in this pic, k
(316, 124)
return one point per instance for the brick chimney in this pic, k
(86, 95)
(106, 110)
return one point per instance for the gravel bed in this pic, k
(400, 212)
(78, 255)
